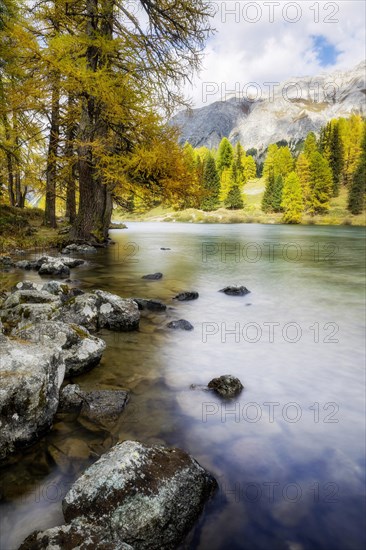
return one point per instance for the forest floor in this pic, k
(251, 213)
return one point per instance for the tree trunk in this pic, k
(51, 170)
(95, 208)
(69, 155)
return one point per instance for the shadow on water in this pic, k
(287, 453)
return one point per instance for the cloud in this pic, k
(272, 41)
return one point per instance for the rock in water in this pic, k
(30, 379)
(226, 385)
(153, 277)
(146, 496)
(181, 324)
(186, 296)
(235, 291)
(149, 305)
(78, 534)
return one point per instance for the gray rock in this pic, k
(77, 535)
(54, 268)
(226, 385)
(98, 406)
(6, 261)
(116, 313)
(150, 305)
(165, 249)
(30, 380)
(98, 310)
(146, 496)
(81, 248)
(72, 262)
(30, 297)
(56, 288)
(80, 350)
(26, 264)
(153, 277)
(24, 307)
(28, 285)
(235, 291)
(181, 324)
(186, 296)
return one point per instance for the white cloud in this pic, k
(265, 51)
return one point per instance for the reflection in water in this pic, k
(287, 453)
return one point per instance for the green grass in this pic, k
(251, 213)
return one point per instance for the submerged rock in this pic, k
(150, 305)
(99, 406)
(186, 296)
(235, 291)
(153, 277)
(30, 379)
(181, 324)
(146, 496)
(226, 385)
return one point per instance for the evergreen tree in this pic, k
(267, 200)
(211, 185)
(234, 199)
(357, 192)
(336, 158)
(277, 194)
(292, 201)
(225, 155)
(250, 168)
(321, 184)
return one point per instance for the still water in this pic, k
(288, 454)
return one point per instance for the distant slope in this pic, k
(297, 106)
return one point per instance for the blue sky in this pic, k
(327, 53)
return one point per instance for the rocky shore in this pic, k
(134, 496)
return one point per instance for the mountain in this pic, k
(289, 112)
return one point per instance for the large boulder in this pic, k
(77, 535)
(100, 309)
(80, 350)
(147, 496)
(24, 307)
(53, 268)
(30, 380)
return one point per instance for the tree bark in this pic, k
(69, 155)
(95, 206)
(51, 170)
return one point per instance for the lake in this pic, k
(288, 453)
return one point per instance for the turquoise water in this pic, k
(289, 452)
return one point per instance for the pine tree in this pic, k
(277, 194)
(336, 158)
(211, 185)
(357, 192)
(267, 200)
(292, 201)
(234, 199)
(225, 155)
(321, 184)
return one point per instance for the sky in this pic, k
(272, 41)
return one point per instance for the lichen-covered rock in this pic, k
(235, 291)
(98, 310)
(30, 297)
(117, 313)
(80, 350)
(81, 248)
(146, 496)
(30, 380)
(54, 268)
(28, 285)
(24, 307)
(226, 385)
(77, 535)
(181, 324)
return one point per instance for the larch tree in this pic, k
(357, 191)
